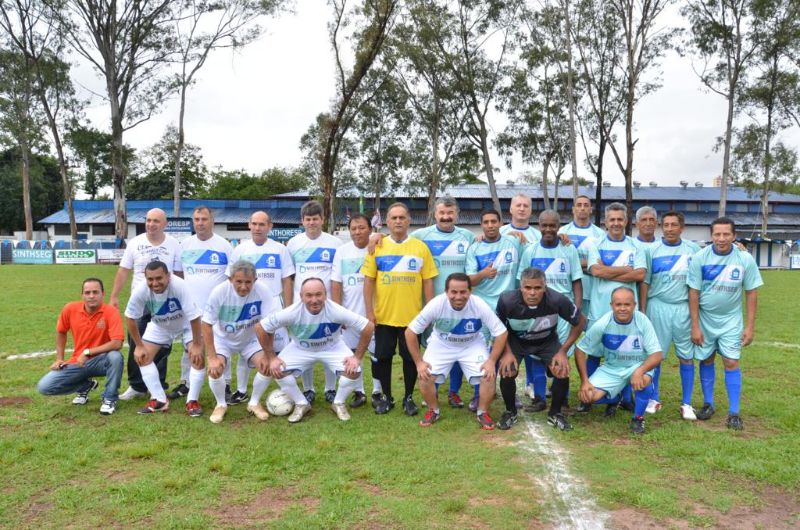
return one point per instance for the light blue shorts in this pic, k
(614, 379)
(672, 324)
(720, 335)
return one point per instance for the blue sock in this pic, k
(687, 382)
(529, 375)
(456, 377)
(477, 390)
(626, 393)
(656, 378)
(707, 377)
(539, 381)
(642, 397)
(733, 382)
(592, 364)
(606, 400)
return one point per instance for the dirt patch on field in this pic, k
(11, 401)
(778, 511)
(269, 505)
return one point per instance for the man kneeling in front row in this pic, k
(626, 339)
(97, 336)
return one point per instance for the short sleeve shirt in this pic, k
(457, 329)
(560, 263)
(313, 258)
(623, 253)
(272, 261)
(583, 239)
(89, 331)
(314, 332)
(532, 235)
(621, 344)
(449, 251)
(140, 252)
(503, 255)
(204, 264)
(346, 270)
(721, 279)
(668, 271)
(234, 317)
(172, 310)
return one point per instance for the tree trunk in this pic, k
(629, 159)
(434, 185)
(178, 153)
(118, 176)
(26, 187)
(571, 101)
(557, 181)
(545, 191)
(767, 168)
(598, 194)
(726, 157)
(487, 162)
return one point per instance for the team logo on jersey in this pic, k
(460, 249)
(509, 257)
(386, 279)
(412, 264)
(630, 260)
(562, 267)
(270, 261)
(351, 280)
(230, 328)
(735, 274)
(253, 310)
(469, 327)
(173, 306)
(214, 258)
(302, 269)
(436, 262)
(327, 331)
(325, 256)
(541, 324)
(304, 344)
(101, 324)
(636, 344)
(190, 270)
(443, 335)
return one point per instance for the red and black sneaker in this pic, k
(194, 409)
(155, 406)
(430, 418)
(487, 424)
(455, 400)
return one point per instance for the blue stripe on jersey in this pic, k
(486, 259)
(250, 310)
(577, 240)
(542, 263)
(613, 342)
(269, 261)
(665, 263)
(170, 305)
(437, 247)
(387, 263)
(210, 257)
(467, 326)
(710, 272)
(321, 255)
(325, 329)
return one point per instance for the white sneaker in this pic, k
(687, 413)
(108, 407)
(529, 391)
(298, 413)
(258, 411)
(130, 394)
(341, 411)
(653, 406)
(218, 415)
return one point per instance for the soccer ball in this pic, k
(279, 404)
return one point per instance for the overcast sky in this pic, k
(249, 110)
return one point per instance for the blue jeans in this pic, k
(73, 378)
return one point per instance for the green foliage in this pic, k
(47, 191)
(239, 184)
(91, 154)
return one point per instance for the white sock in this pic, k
(186, 366)
(346, 387)
(360, 381)
(260, 385)
(228, 377)
(153, 383)
(218, 388)
(196, 378)
(308, 379)
(376, 386)
(242, 375)
(330, 378)
(289, 385)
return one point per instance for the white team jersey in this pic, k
(313, 258)
(234, 316)
(272, 261)
(140, 252)
(314, 332)
(457, 329)
(347, 271)
(204, 264)
(172, 310)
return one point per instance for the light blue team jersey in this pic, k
(622, 345)
(449, 251)
(532, 235)
(623, 253)
(560, 264)
(583, 239)
(721, 278)
(503, 254)
(668, 270)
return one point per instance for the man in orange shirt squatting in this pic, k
(97, 335)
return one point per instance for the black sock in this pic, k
(409, 377)
(559, 388)
(508, 389)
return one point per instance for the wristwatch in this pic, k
(86, 353)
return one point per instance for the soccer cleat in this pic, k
(130, 394)
(537, 405)
(517, 402)
(193, 409)
(507, 420)
(310, 396)
(430, 418)
(154, 406)
(384, 405)
(179, 391)
(637, 425)
(486, 421)
(409, 407)
(611, 410)
(628, 405)
(108, 407)
(359, 398)
(238, 398)
(653, 406)
(473, 404)
(687, 413)
(330, 395)
(735, 422)
(228, 392)
(376, 399)
(455, 400)
(219, 414)
(258, 411)
(83, 396)
(341, 411)
(584, 407)
(706, 412)
(298, 412)
(529, 391)
(559, 421)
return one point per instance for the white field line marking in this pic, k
(37, 354)
(776, 344)
(573, 506)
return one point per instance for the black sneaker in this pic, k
(359, 398)
(537, 405)
(179, 391)
(559, 421)
(409, 407)
(584, 407)
(330, 395)
(628, 405)
(611, 410)
(637, 425)
(376, 399)
(384, 405)
(310, 396)
(83, 396)
(507, 420)
(735, 422)
(238, 398)
(228, 393)
(706, 412)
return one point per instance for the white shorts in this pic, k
(442, 358)
(246, 350)
(158, 335)
(299, 360)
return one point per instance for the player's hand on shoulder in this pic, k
(565, 240)
(375, 240)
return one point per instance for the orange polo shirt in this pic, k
(89, 331)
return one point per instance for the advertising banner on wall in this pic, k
(110, 255)
(284, 234)
(179, 227)
(71, 257)
(32, 256)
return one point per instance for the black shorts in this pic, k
(545, 352)
(387, 339)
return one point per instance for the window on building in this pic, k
(61, 230)
(102, 230)
(238, 228)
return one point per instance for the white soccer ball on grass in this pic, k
(279, 404)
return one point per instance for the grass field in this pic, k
(66, 465)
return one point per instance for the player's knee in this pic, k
(730, 364)
(44, 388)
(115, 357)
(352, 377)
